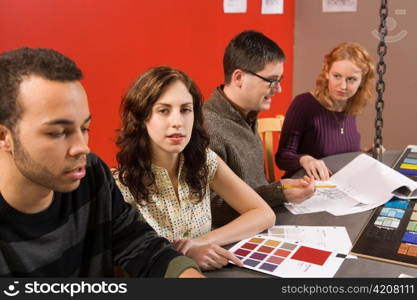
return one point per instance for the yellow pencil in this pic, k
(316, 186)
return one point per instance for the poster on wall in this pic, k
(234, 6)
(272, 7)
(340, 5)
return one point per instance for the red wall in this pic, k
(113, 41)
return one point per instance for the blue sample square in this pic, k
(392, 212)
(397, 203)
(399, 213)
(384, 212)
(412, 161)
(407, 171)
(410, 237)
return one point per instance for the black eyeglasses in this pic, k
(273, 83)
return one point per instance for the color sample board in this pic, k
(406, 164)
(283, 258)
(390, 234)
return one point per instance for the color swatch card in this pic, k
(283, 258)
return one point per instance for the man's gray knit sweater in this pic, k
(237, 142)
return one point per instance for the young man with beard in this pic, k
(61, 214)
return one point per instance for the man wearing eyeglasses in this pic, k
(253, 69)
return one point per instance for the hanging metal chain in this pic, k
(380, 85)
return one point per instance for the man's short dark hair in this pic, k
(15, 65)
(250, 50)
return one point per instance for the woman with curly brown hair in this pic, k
(166, 170)
(323, 122)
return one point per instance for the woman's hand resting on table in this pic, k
(315, 168)
(207, 256)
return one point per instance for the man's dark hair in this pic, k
(250, 50)
(18, 64)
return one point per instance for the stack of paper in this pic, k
(363, 184)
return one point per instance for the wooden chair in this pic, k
(266, 129)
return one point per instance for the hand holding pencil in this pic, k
(297, 190)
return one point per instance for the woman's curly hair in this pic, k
(361, 58)
(134, 157)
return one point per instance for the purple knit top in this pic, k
(309, 128)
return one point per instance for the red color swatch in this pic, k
(249, 246)
(311, 255)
